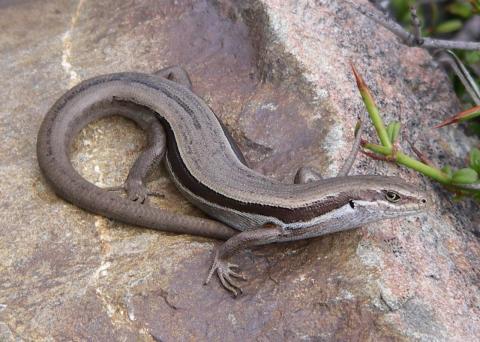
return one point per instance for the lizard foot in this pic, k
(136, 192)
(226, 274)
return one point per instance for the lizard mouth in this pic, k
(417, 209)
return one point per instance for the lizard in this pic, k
(246, 207)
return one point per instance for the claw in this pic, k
(225, 274)
(232, 282)
(238, 275)
(226, 285)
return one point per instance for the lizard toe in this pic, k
(136, 192)
(225, 274)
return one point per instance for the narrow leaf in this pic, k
(475, 159)
(465, 77)
(465, 115)
(371, 108)
(449, 26)
(460, 9)
(465, 176)
(393, 129)
(476, 5)
(447, 170)
(472, 57)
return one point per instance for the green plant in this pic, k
(444, 19)
(463, 182)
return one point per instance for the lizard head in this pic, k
(386, 197)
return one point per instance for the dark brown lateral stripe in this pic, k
(286, 215)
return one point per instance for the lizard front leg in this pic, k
(306, 174)
(245, 239)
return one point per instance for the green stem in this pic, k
(378, 149)
(376, 120)
(427, 170)
(403, 159)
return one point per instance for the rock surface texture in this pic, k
(277, 74)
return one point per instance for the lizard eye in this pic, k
(392, 196)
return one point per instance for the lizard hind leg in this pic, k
(145, 163)
(135, 184)
(177, 74)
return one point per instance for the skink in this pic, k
(209, 170)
